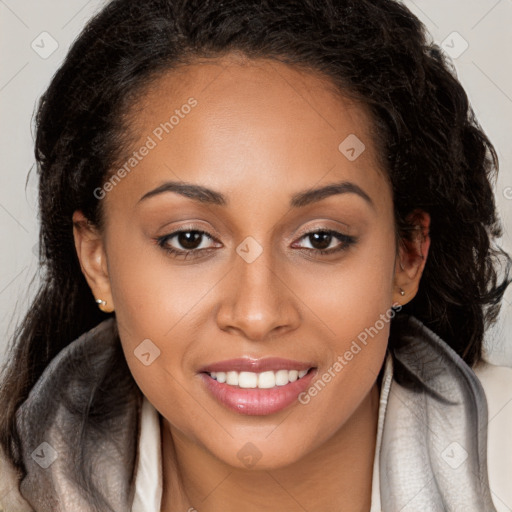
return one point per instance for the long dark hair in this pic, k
(436, 155)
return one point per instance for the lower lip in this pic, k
(255, 401)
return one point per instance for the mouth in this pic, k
(257, 387)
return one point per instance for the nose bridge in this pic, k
(257, 301)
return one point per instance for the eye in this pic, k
(185, 243)
(326, 241)
(193, 242)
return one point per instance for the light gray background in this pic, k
(484, 69)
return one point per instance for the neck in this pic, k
(336, 476)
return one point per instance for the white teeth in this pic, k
(247, 379)
(264, 380)
(282, 378)
(293, 375)
(232, 378)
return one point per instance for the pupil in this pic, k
(325, 240)
(189, 239)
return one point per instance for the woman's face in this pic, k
(236, 150)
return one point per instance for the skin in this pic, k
(260, 133)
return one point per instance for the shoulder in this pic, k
(10, 497)
(497, 384)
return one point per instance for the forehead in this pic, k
(234, 122)
(265, 90)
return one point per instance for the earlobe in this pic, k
(93, 260)
(412, 258)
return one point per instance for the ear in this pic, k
(93, 259)
(411, 258)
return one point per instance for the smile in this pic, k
(257, 386)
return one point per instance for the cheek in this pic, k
(158, 304)
(152, 292)
(351, 296)
(354, 307)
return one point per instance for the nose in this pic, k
(257, 301)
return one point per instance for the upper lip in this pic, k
(246, 364)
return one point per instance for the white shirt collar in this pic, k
(148, 482)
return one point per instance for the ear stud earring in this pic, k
(102, 305)
(402, 293)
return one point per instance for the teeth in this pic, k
(247, 379)
(282, 378)
(264, 380)
(232, 378)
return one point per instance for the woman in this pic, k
(284, 213)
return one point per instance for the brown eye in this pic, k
(189, 239)
(327, 241)
(320, 240)
(185, 243)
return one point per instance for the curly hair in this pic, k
(434, 152)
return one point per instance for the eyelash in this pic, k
(346, 240)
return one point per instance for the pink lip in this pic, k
(256, 365)
(255, 401)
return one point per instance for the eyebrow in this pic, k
(298, 200)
